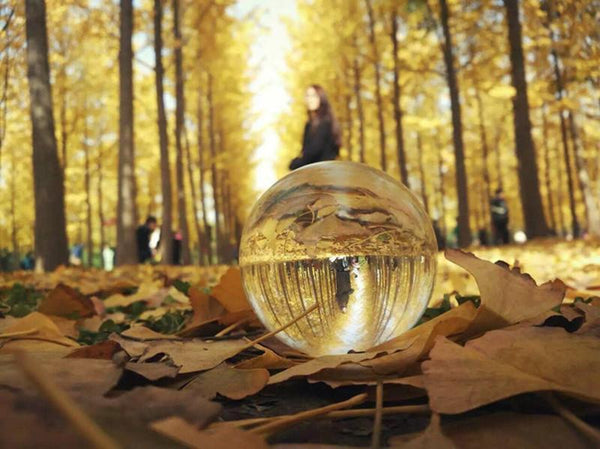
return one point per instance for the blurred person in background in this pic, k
(143, 233)
(321, 138)
(499, 211)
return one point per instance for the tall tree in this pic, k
(397, 100)
(547, 177)
(464, 229)
(359, 110)
(378, 97)
(50, 227)
(88, 193)
(100, 200)
(422, 172)
(213, 163)
(206, 243)
(165, 166)
(126, 203)
(179, 116)
(531, 199)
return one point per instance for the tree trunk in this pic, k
(422, 172)
(359, 110)
(166, 233)
(13, 204)
(486, 187)
(547, 178)
(591, 207)
(179, 117)
(575, 228)
(531, 200)
(348, 101)
(100, 198)
(190, 172)
(213, 164)
(440, 164)
(464, 229)
(51, 248)
(126, 205)
(397, 103)
(378, 99)
(206, 244)
(88, 195)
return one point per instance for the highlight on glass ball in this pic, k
(347, 240)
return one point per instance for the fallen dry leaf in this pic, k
(220, 437)
(230, 291)
(507, 295)
(269, 359)
(45, 330)
(432, 437)
(504, 363)
(412, 346)
(146, 291)
(230, 382)
(319, 364)
(143, 333)
(67, 302)
(508, 431)
(104, 351)
(152, 371)
(87, 377)
(193, 355)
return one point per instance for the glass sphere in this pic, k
(348, 238)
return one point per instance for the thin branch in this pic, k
(276, 331)
(338, 414)
(590, 432)
(309, 414)
(376, 439)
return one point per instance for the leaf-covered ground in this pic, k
(166, 357)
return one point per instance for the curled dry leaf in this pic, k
(219, 437)
(152, 371)
(142, 333)
(67, 302)
(104, 351)
(320, 363)
(507, 295)
(147, 290)
(230, 291)
(192, 355)
(504, 363)
(230, 382)
(269, 359)
(45, 330)
(413, 345)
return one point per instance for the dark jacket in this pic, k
(143, 243)
(318, 144)
(499, 211)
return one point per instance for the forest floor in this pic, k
(170, 357)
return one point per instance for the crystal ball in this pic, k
(348, 238)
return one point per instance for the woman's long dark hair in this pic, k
(325, 113)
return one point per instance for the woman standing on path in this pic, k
(321, 139)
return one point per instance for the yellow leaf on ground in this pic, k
(230, 291)
(45, 330)
(67, 302)
(507, 295)
(508, 362)
(230, 382)
(142, 333)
